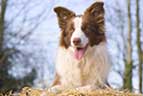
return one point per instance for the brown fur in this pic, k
(63, 15)
(93, 23)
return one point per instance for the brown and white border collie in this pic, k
(82, 58)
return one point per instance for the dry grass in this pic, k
(26, 91)
(6, 94)
(106, 92)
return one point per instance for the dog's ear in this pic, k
(63, 15)
(96, 13)
(96, 8)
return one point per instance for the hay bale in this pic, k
(100, 92)
(26, 91)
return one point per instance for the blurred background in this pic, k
(29, 36)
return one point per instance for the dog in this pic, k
(82, 59)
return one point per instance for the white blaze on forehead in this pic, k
(77, 22)
(78, 33)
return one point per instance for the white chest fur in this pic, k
(92, 69)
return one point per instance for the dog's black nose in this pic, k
(76, 41)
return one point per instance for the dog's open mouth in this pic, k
(79, 52)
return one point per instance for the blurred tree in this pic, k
(127, 80)
(127, 41)
(9, 45)
(139, 52)
(7, 82)
(2, 22)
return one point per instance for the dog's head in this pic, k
(81, 31)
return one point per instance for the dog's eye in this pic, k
(83, 28)
(64, 33)
(71, 29)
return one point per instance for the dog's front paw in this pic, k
(84, 88)
(55, 89)
(87, 88)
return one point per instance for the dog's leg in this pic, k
(56, 80)
(56, 86)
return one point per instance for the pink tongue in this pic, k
(78, 54)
